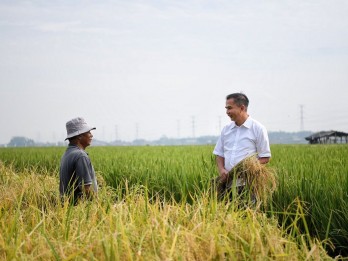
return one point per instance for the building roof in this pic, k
(322, 134)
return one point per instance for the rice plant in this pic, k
(35, 226)
(309, 203)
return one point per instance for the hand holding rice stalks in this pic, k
(259, 178)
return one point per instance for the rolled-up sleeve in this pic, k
(262, 144)
(219, 147)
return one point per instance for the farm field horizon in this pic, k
(153, 199)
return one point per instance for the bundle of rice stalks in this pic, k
(259, 179)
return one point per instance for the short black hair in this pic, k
(239, 99)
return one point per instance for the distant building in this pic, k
(325, 137)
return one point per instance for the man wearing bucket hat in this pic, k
(76, 173)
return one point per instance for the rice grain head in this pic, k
(260, 178)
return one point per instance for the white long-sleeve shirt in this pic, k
(238, 142)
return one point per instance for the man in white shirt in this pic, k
(242, 138)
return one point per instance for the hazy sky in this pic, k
(144, 69)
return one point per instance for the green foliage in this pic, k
(314, 176)
(21, 142)
(35, 226)
(171, 172)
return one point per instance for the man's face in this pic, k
(232, 109)
(86, 139)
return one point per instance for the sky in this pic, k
(147, 69)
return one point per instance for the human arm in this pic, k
(220, 162)
(264, 160)
(88, 191)
(219, 152)
(86, 176)
(262, 146)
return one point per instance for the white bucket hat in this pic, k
(76, 127)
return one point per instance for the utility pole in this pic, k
(301, 116)
(178, 128)
(193, 126)
(137, 131)
(116, 132)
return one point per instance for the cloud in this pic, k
(157, 62)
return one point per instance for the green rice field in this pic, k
(156, 203)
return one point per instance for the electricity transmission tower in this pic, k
(301, 117)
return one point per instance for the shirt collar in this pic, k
(71, 146)
(246, 124)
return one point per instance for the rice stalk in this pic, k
(260, 181)
(260, 178)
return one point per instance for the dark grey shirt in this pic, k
(75, 171)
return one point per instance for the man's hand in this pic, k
(223, 175)
(88, 191)
(220, 161)
(264, 160)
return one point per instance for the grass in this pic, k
(310, 200)
(34, 226)
(317, 176)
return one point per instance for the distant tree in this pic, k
(21, 142)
